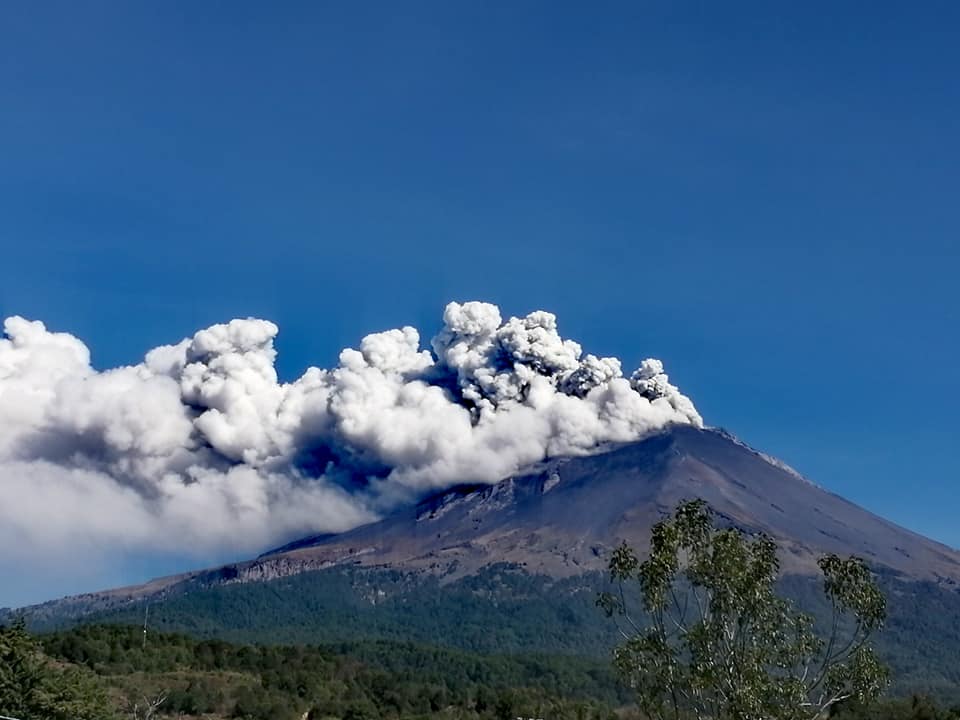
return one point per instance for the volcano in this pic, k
(562, 518)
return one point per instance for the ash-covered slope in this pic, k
(564, 518)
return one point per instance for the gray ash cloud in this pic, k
(200, 448)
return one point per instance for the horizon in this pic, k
(761, 197)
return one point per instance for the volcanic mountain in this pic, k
(562, 518)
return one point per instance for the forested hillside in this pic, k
(109, 673)
(362, 680)
(505, 610)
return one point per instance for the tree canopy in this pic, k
(705, 634)
(33, 687)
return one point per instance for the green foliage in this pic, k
(502, 609)
(363, 680)
(506, 610)
(31, 688)
(917, 707)
(920, 637)
(718, 641)
(380, 679)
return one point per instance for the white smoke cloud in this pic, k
(200, 450)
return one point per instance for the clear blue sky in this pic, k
(762, 194)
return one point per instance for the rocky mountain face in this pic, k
(562, 519)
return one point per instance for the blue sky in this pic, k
(764, 197)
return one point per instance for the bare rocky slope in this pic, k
(564, 518)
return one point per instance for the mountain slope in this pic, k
(564, 518)
(515, 567)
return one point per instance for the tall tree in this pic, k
(705, 634)
(32, 688)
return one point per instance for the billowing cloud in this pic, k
(200, 449)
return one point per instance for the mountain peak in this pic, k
(775, 461)
(563, 517)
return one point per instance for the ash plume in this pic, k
(200, 450)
